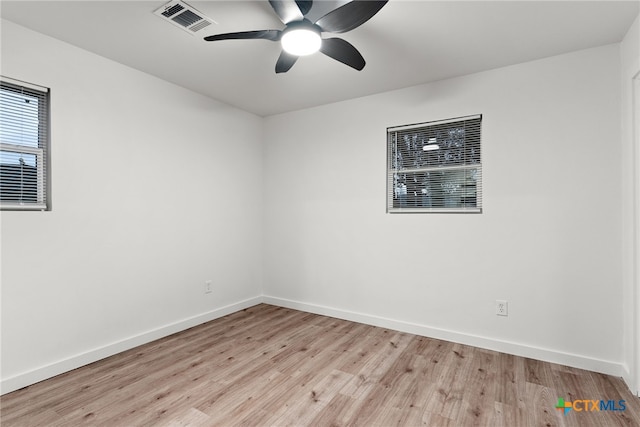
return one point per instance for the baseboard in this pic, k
(632, 382)
(31, 377)
(547, 355)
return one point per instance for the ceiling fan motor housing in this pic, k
(301, 38)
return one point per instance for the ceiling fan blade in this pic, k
(287, 10)
(304, 5)
(273, 35)
(349, 16)
(343, 51)
(285, 62)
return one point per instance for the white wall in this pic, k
(630, 67)
(548, 240)
(154, 192)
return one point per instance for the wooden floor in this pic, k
(274, 366)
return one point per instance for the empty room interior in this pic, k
(432, 220)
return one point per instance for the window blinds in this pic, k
(435, 166)
(24, 145)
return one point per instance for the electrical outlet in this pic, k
(502, 308)
(207, 287)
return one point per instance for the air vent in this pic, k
(184, 16)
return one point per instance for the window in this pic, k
(24, 146)
(435, 166)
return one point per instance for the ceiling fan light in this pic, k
(301, 41)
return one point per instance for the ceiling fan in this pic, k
(302, 37)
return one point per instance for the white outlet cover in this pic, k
(502, 308)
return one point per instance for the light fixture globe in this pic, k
(301, 40)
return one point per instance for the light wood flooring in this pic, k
(274, 366)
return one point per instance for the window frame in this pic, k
(41, 152)
(464, 167)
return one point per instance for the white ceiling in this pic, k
(406, 43)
